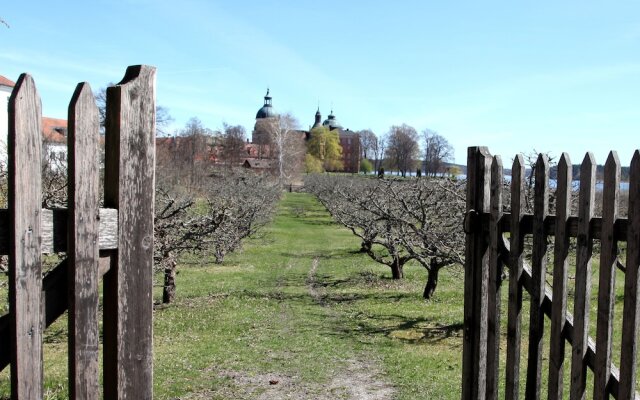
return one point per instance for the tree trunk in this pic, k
(169, 288)
(396, 269)
(365, 246)
(432, 280)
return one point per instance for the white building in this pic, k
(54, 130)
(6, 86)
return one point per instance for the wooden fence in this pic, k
(488, 249)
(115, 242)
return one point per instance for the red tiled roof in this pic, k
(6, 82)
(54, 130)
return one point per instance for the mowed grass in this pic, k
(268, 312)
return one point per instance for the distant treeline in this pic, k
(553, 173)
(624, 173)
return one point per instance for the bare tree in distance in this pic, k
(367, 143)
(437, 151)
(378, 147)
(184, 159)
(288, 148)
(232, 144)
(402, 147)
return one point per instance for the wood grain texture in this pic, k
(83, 251)
(25, 266)
(606, 286)
(54, 230)
(474, 359)
(129, 187)
(631, 318)
(495, 280)
(515, 262)
(560, 266)
(539, 265)
(582, 296)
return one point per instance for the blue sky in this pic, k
(513, 76)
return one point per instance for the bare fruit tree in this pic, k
(399, 220)
(231, 206)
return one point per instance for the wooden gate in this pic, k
(115, 242)
(496, 239)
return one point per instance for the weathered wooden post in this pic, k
(495, 279)
(25, 258)
(129, 187)
(83, 253)
(538, 278)
(476, 275)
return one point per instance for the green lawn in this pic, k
(299, 306)
(268, 312)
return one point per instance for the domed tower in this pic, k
(331, 122)
(266, 111)
(265, 117)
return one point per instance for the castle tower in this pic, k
(318, 121)
(265, 116)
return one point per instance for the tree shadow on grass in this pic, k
(398, 327)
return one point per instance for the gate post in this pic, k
(476, 275)
(129, 187)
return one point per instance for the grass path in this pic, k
(299, 314)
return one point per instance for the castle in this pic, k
(349, 140)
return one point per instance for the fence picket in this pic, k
(582, 296)
(83, 244)
(514, 317)
(474, 353)
(129, 187)
(631, 316)
(606, 288)
(25, 259)
(561, 261)
(539, 263)
(495, 280)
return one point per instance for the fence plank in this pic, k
(129, 187)
(25, 266)
(606, 289)
(631, 286)
(83, 244)
(54, 230)
(514, 317)
(474, 354)
(495, 280)
(539, 261)
(619, 228)
(582, 297)
(561, 260)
